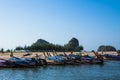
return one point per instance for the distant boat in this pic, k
(4, 63)
(112, 57)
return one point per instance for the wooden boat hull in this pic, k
(112, 57)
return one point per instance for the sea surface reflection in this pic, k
(109, 71)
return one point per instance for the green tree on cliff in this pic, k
(106, 48)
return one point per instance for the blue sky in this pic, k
(92, 22)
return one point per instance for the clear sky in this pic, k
(92, 22)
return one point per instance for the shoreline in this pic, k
(41, 55)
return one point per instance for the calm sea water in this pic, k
(109, 71)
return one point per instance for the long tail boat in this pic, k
(112, 57)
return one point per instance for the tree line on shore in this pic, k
(43, 45)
